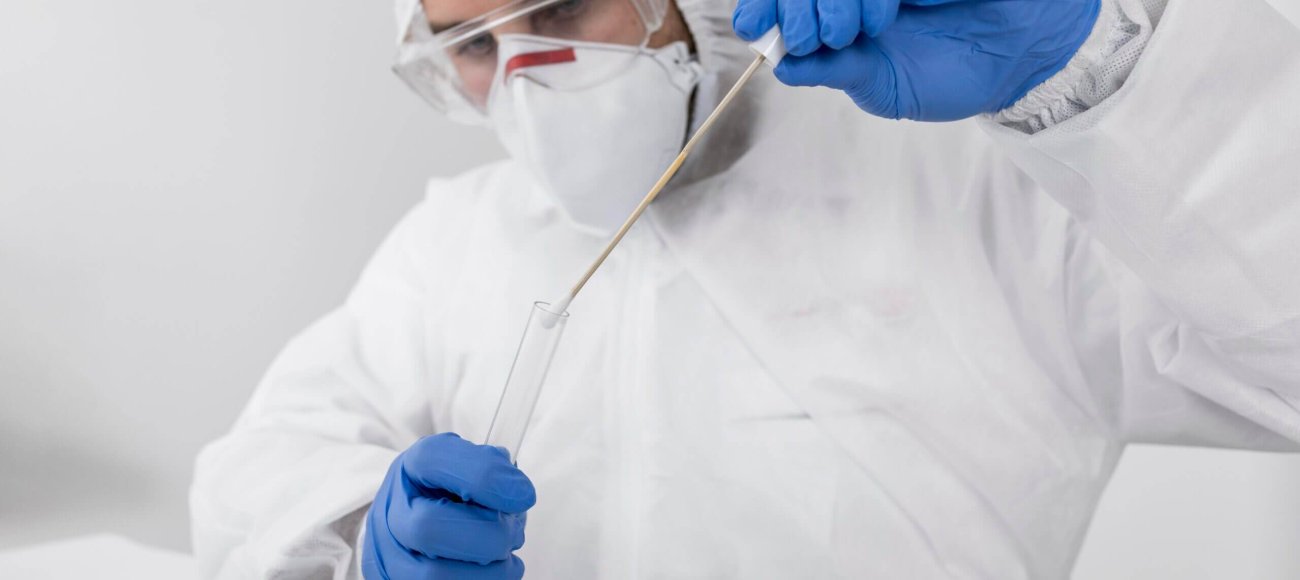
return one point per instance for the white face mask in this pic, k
(596, 150)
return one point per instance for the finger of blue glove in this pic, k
(753, 18)
(799, 27)
(861, 70)
(457, 531)
(453, 570)
(475, 473)
(839, 21)
(877, 15)
(403, 565)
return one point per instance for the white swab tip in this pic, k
(556, 310)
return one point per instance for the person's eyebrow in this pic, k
(439, 27)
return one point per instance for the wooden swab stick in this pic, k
(667, 176)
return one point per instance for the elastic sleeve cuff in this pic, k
(1096, 71)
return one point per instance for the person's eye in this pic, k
(559, 13)
(480, 46)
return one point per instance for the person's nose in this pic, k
(538, 58)
(529, 59)
(516, 26)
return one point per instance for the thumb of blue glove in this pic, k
(930, 60)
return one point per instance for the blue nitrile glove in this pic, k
(448, 509)
(928, 60)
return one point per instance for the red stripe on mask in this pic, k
(557, 56)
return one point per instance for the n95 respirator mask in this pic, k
(595, 148)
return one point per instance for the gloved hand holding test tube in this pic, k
(547, 321)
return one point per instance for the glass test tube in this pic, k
(527, 374)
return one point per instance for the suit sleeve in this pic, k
(284, 493)
(1187, 174)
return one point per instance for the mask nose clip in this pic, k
(539, 58)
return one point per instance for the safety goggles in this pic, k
(452, 60)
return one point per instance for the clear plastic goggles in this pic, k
(449, 51)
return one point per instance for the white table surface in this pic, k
(103, 557)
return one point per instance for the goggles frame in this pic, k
(423, 62)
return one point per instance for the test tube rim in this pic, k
(546, 307)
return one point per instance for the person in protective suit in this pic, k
(839, 344)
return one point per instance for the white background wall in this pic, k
(184, 185)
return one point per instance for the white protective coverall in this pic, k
(840, 346)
